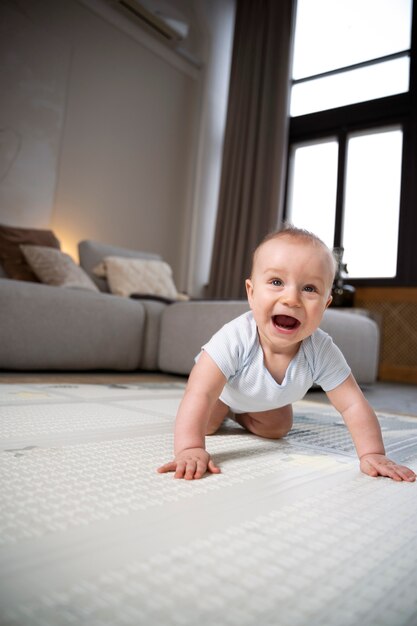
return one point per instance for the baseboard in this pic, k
(397, 373)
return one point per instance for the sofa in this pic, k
(64, 328)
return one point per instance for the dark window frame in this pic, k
(398, 110)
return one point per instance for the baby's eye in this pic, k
(276, 282)
(310, 288)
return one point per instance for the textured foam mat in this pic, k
(290, 533)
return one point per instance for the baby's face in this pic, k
(289, 290)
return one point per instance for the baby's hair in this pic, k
(293, 232)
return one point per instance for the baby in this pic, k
(257, 365)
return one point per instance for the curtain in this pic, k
(255, 146)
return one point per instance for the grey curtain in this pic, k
(255, 149)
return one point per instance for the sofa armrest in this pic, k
(358, 337)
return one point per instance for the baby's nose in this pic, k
(290, 296)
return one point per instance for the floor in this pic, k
(289, 532)
(387, 397)
(383, 396)
(92, 378)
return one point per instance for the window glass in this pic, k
(312, 188)
(331, 34)
(372, 203)
(345, 166)
(366, 83)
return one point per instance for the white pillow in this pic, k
(54, 267)
(127, 276)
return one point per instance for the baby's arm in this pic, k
(203, 389)
(364, 428)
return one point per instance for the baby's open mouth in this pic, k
(286, 322)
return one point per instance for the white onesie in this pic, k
(236, 350)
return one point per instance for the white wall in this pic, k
(123, 170)
(34, 65)
(102, 134)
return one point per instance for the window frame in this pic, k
(401, 110)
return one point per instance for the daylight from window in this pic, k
(339, 33)
(355, 31)
(312, 188)
(371, 207)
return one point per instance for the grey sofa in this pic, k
(54, 328)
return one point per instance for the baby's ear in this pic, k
(329, 301)
(249, 290)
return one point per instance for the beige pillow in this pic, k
(127, 276)
(54, 267)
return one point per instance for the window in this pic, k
(312, 187)
(353, 136)
(372, 202)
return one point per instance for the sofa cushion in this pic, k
(92, 252)
(12, 258)
(137, 276)
(185, 327)
(54, 267)
(46, 328)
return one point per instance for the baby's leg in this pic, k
(218, 415)
(272, 424)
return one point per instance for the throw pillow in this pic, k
(11, 257)
(92, 252)
(54, 267)
(127, 276)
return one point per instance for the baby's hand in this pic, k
(380, 465)
(190, 464)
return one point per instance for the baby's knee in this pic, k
(277, 431)
(268, 430)
(271, 424)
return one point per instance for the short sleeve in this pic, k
(330, 366)
(230, 346)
